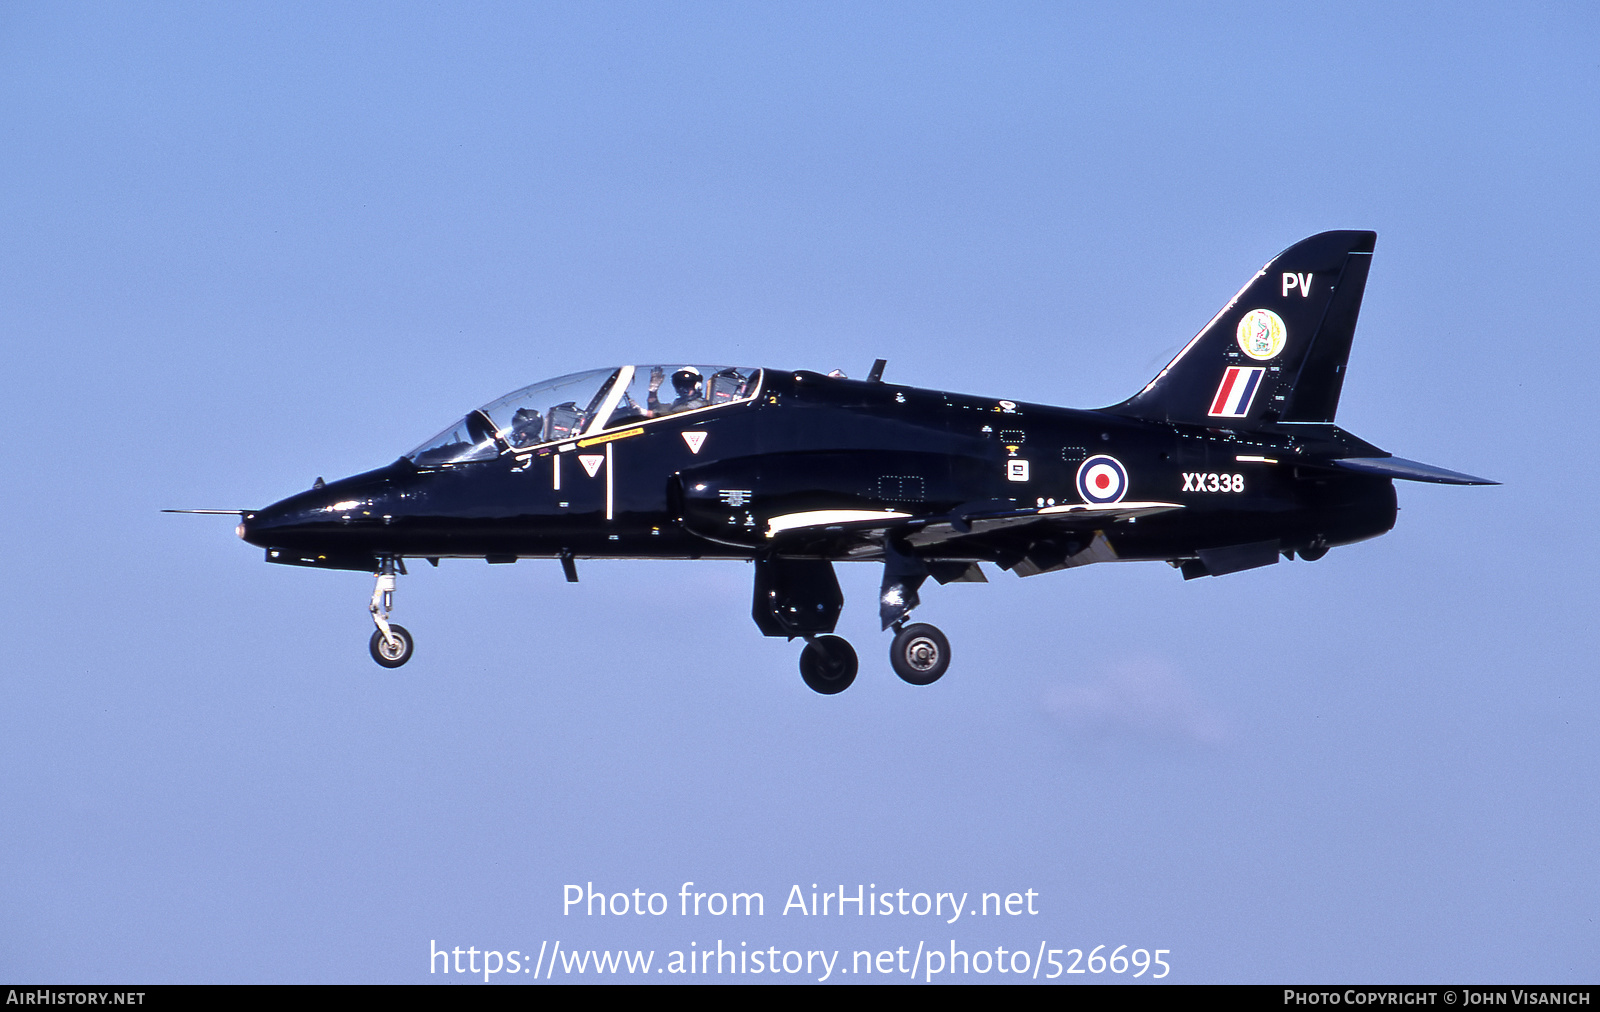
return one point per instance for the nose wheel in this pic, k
(394, 650)
(920, 654)
(828, 664)
(391, 644)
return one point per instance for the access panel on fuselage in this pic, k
(828, 444)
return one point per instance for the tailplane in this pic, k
(1277, 351)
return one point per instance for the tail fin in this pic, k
(1277, 351)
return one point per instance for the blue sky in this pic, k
(247, 245)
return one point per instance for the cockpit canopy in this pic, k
(570, 407)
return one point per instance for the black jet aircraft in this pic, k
(1229, 459)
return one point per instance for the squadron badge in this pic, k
(1262, 334)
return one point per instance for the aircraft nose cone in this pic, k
(284, 523)
(257, 528)
(343, 515)
(348, 520)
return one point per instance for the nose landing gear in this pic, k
(391, 644)
(392, 652)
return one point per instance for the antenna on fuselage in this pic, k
(876, 375)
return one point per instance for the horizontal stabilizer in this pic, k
(1410, 470)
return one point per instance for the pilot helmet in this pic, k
(686, 380)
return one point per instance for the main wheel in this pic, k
(391, 655)
(920, 654)
(828, 664)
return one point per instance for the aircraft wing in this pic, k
(864, 530)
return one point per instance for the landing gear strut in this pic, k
(920, 653)
(391, 644)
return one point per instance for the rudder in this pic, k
(1277, 351)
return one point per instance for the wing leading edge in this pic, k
(866, 530)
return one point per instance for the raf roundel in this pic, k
(1102, 480)
(1262, 334)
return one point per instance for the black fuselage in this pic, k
(708, 483)
(1227, 460)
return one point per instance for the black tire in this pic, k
(920, 654)
(387, 655)
(828, 664)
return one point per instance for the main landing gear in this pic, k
(800, 599)
(828, 664)
(391, 644)
(920, 653)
